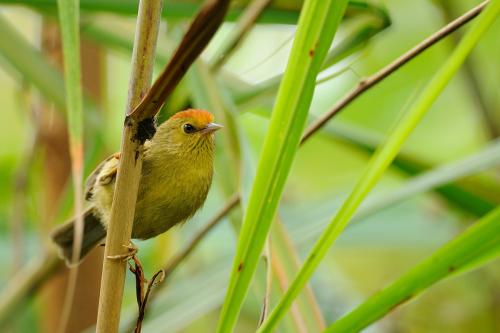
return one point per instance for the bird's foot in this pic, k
(132, 251)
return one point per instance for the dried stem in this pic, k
(140, 283)
(231, 203)
(369, 82)
(269, 280)
(127, 182)
(473, 83)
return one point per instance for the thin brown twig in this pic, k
(483, 106)
(240, 31)
(140, 282)
(372, 80)
(155, 280)
(173, 263)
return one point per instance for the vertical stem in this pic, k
(127, 183)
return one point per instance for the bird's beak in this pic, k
(211, 127)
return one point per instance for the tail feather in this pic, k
(93, 233)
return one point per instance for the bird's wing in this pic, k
(108, 177)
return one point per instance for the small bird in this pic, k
(176, 175)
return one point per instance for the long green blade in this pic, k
(31, 64)
(382, 159)
(318, 23)
(479, 240)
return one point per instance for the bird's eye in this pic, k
(188, 128)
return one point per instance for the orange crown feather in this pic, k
(201, 116)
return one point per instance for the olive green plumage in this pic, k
(176, 176)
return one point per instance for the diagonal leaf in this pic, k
(485, 159)
(382, 159)
(31, 64)
(318, 23)
(285, 12)
(480, 240)
(464, 194)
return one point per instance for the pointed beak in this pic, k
(211, 127)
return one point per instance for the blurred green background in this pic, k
(375, 250)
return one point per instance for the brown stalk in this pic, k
(142, 295)
(372, 80)
(129, 170)
(173, 263)
(484, 106)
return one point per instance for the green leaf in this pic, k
(31, 64)
(172, 9)
(382, 159)
(69, 24)
(467, 195)
(479, 241)
(318, 23)
(486, 158)
(365, 22)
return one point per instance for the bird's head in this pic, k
(188, 130)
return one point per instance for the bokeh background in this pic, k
(35, 192)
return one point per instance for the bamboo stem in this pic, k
(127, 183)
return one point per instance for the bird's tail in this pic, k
(93, 233)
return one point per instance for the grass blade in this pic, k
(382, 159)
(442, 175)
(479, 240)
(31, 64)
(69, 22)
(286, 263)
(317, 25)
(469, 195)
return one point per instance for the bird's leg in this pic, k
(132, 251)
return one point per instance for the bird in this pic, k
(176, 176)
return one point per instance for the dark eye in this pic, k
(188, 128)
